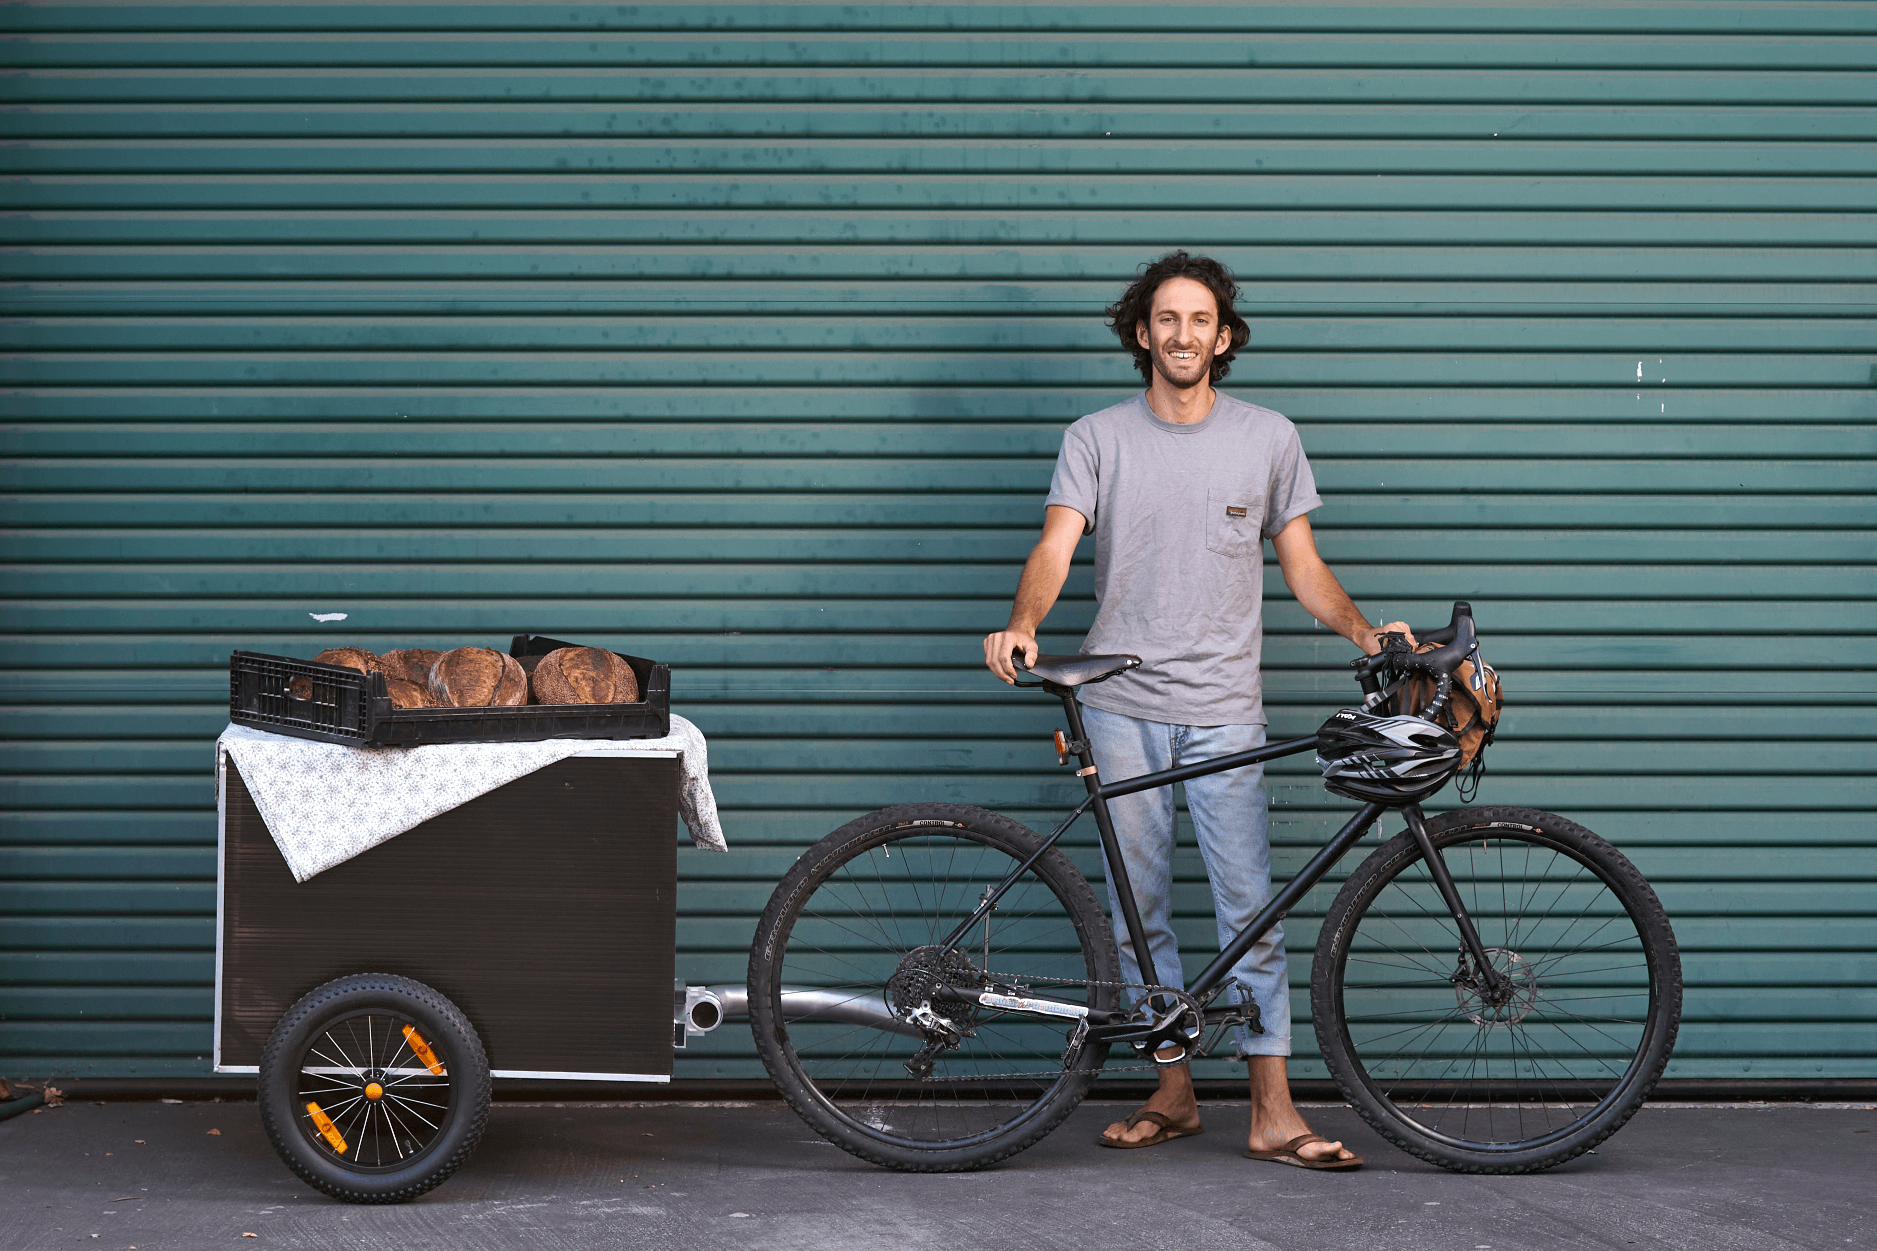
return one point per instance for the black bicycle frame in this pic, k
(1113, 1027)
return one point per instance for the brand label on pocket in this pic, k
(1234, 511)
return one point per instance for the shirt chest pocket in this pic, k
(1234, 522)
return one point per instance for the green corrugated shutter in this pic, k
(743, 337)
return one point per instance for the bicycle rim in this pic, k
(1550, 1064)
(371, 1092)
(901, 889)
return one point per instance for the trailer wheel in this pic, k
(374, 1088)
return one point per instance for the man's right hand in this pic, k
(997, 649)
(1043, 576)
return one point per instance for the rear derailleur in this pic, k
(913, 987)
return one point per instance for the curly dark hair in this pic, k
(1138, 301)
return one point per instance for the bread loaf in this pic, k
(352, 658)
(405, 694)
(475, 677)
(583, 675)
(411, 664)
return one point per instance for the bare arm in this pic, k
(1321, 595)
(1043, 575)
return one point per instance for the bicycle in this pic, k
(935, 987)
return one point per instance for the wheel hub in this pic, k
(1509, 999)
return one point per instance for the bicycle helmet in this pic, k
(1385, 760)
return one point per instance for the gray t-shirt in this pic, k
(1180, 515)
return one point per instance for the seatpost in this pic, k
(1110, 843)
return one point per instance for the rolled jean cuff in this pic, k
(1264, 1045)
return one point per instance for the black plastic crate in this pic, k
(334, 704)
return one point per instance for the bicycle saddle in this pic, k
(1077, 670)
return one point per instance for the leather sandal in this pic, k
(1287, 1154)
(1167, 1132)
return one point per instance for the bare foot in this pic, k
(1309, 1151)
(1275, 1119)
(1174, 1100)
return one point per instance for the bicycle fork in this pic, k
(1492, 981)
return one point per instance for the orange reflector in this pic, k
(326, 1128)
(423, 1050)
(374, 1091)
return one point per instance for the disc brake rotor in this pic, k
(1511, 1003)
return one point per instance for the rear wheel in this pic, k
(849, 948)
(374, 1088)
(1513, 1073)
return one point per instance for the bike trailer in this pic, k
(527, 933)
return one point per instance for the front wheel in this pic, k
(849, 952)
(1519, 1071)
(374, 1088)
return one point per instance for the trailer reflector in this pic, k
(423, 1050)
(326, 1128)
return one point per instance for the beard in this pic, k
(1184, 374)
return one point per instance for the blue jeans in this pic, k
(1232, 821)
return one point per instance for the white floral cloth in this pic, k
(325, 802)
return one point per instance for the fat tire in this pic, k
(1625, 882)
(447, 1030)
(798, 886)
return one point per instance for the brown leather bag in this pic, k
(1473, 712)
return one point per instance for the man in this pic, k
(1180, 486)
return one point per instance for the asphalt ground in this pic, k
(162, 1176)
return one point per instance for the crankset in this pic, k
(1172, 1018)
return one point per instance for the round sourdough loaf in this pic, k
(352, 658)
(410, 663)
(407, 694)
(584, 675)
(475, 677)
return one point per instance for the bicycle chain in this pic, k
(1018, 984)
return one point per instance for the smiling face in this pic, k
(1183, 332)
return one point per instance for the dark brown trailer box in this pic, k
(544, 909)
